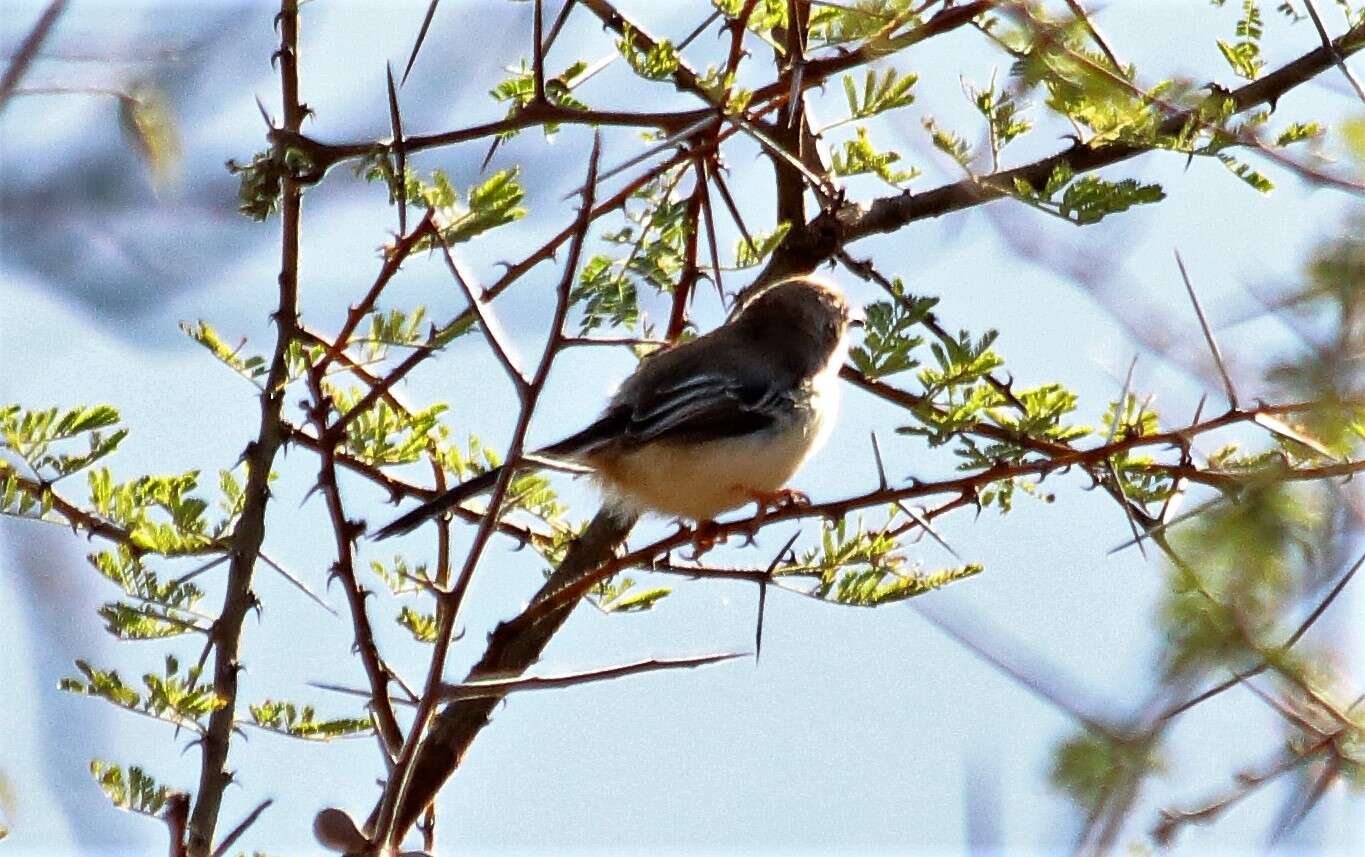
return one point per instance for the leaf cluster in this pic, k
(287, 718)
(170, 695)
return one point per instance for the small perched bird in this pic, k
(714, 423)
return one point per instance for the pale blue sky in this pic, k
(860, 730)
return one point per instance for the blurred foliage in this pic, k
(147, 118)
(1091, 767)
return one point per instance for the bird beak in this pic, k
(856, 317)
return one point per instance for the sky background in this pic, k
(859, 730)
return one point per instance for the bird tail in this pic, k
(439, 505)
(587, 439)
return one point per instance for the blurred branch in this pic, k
(28, 50)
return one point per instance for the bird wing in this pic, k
(707, 407)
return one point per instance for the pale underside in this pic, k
(699, 481)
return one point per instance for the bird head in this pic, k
(810, 314)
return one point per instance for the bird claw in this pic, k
(768, 502)
(704, 537)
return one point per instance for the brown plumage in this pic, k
(713, 423)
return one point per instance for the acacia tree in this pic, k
(1242, 557)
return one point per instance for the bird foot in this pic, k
(704, 537)
(768, 502)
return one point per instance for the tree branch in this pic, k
(259, 455)
(806, 248)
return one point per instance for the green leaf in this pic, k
(1088, 766)
(764, 244)
(259, 185)
(656, 63)
(1297, 132)
(400, 579)
(519, 90)
(252, 368)
(143, 622)
(1044, 410)
(1090, 198)
(618, 595)
(422, 626)
(950, 143)
(859, 157)
(383, 435)
(1001, 111)
(864, 568)
(1246, 173)
(169, 696)
(1244, 55)
(888, 342)
(31, 435)
(156, 510)
(394, 327)
(494, 203)
(879, 94)
(852, 20)
(296, 721)
(130, 789)
(607, 299)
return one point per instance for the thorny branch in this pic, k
(808, 246)
(395, 794)
(259, 455)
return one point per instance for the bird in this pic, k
(712, 423)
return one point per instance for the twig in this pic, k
(488, 322)
(176, 814)
(538, 53)
(400, 154)
(691, 271)
(763, 592)
(1120, 409)
(828, 232)
(28, 50)
(393, 261)
(864, 269)
(448, 605)
(421, 37)
(494, 687)
(513, 273)
(1247, 782)
(1327, 43)
(1208, 332)
(343, 569)
(222, 849)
